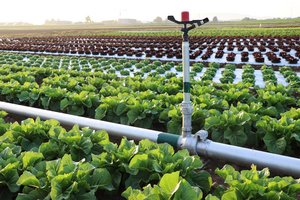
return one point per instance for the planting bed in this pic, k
(144, 68)
(227, 49)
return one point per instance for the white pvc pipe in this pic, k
(284, 164)
(186, 106)
(186, 68)
(111, 128)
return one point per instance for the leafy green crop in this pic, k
(253, 184)
(41, 160)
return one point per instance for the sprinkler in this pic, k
(186, 106)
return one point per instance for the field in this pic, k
(245, 89)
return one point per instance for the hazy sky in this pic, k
(37, 11)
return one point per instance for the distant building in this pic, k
(127, 21)
(109, 22)
(57, 22)
(15, 24)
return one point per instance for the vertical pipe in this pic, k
(186, 107)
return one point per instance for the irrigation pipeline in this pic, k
(196, 143)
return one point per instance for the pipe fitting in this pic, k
(190, 142)
(187, 108)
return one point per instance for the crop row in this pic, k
(161, 47)
(145, 68)
(267, 33)
(42, 160)
(151, 102)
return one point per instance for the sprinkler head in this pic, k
(185, 16)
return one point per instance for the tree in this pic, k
(158, 20)
(215, 19)
(88, 20)
(248, 19)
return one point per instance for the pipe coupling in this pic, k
(187, 108)
(190, 142)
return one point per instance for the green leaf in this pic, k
(143, 123)
(2, 114)
(217, 136)
(101, 179)
(141, 161)
(66, 165)
(169, 182)
(50, 150)
(45, 102)
(174, 126)
(87, 196)
(34, 194)
(232, 195)
(242, 118)
(101, 111)
(9, 176)
(163, 116)
(121, 109)
(272, 195)
(64, 104)
(133, 115)
(212, 122)
(296, 136)
(275, 145)
(200, 179)
(238, 137)
(52, 168)
(30, 158)
(294, 188)
(127, 149)
(28, 179)
(62, 186)
(23, 96)
(186, 191)
(76, 110)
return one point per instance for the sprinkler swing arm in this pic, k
(185, 22)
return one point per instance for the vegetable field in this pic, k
(245, 91)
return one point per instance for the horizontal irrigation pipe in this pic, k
(240, 155)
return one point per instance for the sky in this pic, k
(37, 11)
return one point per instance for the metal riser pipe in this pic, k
(283, 164)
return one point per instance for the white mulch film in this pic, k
(259, 78)
(198, 59)
(238, 74)
(218, 75)
(280, 78)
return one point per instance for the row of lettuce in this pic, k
(145, 68)
(238, 114)
(43, 160)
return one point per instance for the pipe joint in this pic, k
(187, 108)
(190, 142)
